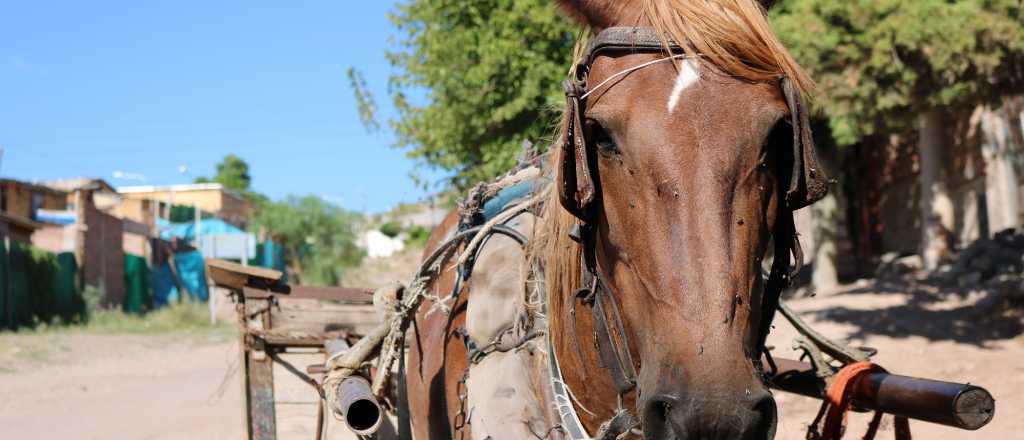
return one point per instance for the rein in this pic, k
(579, 195)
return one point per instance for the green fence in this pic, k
(138, 296)
(37, 286)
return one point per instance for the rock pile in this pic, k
(992, 268)
(1000, 258)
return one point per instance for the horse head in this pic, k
(680, 162)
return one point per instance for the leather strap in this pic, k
(807, 182)
(615, 357)
(577, 190)
(628, 38)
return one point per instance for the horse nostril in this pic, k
(656, 417)
(767, 412)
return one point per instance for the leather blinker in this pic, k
(576, 188)
(807, 183)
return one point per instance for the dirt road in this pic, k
(167, 386)
(159, 387)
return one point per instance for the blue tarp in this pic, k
(271, 256)
(55, 217)
(187, 231)
(192, 273)
(506, 196)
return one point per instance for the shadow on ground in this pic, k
(933, 312)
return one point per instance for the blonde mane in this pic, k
(733, 35)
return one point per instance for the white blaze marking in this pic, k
(689, 74)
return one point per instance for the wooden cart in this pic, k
(274, 318)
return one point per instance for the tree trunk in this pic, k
(935, 203)
(826, 225)
(1001, 143)
(1000, 151)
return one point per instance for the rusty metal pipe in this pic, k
(957, 405)
(358, 406)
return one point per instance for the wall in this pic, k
(137, 210)
(55, 238)
(980, 171)
(18, 197)
(223, 204)
(234, 209)
(17, 229)
(104, 255)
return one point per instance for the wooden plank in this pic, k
(260, 397)
(343, 294)
(347, 295)
(297, 341)
(311, 316)
(246, 412)
(261, 420)
(236, 276)
(253, 293)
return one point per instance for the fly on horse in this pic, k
(625, 293)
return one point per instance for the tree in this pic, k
(899, 67)
(882, 63)
(233, 173)
(318, 237)
(491, 70)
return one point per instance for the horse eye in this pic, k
(600, 138)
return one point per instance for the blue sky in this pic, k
(90, 88)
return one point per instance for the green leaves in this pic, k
(365, 104)
(318, 237)
(882, 62)
(232, 172)
(480, 76)
(491, 71)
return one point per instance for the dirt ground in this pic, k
(185, 386)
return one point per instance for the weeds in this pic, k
(185, 317)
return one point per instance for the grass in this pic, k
(43, 343)
(186, 317)
(190, 317)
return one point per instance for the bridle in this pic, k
(579, 194)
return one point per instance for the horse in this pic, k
(683, 151)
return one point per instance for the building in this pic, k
(104, 194)
(69, 216)
(207, 197)
(378, 245)
(17, 228)
(24, 199)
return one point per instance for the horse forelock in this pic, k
(733, 35)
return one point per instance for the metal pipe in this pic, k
(358, 406)
(952, 404)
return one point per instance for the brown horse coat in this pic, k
(691, 171)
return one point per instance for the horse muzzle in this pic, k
(697, 416)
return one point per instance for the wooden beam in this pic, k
(258, 377)
(236, 276)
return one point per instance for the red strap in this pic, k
(838, 397)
